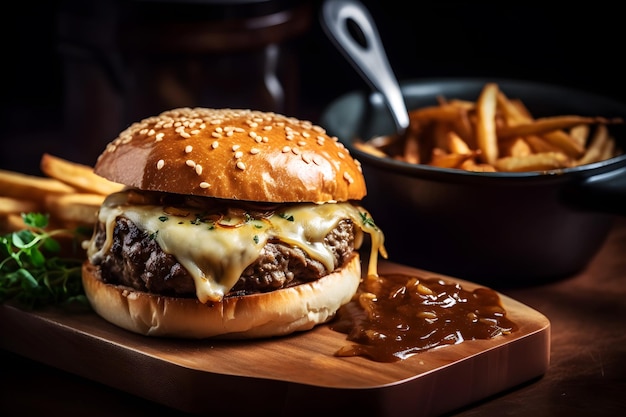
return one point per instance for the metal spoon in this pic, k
(369, 60)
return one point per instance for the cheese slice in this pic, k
(215, 252)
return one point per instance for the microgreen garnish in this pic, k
(32, 272)
(368, 221)
(285, 216)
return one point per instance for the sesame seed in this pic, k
(254, 151)
(258, 139)
(195, 132)
(340, 155)
(159, 136)
(241, 165)
(190, 163)
(268, 127)
(348, 178)
(306, 158)
(252, 134)
(235, 147)
(204, 184)
(151, 132)
(306, 134)
(199, 169)
(286, 149)
(216, 135)
(215, 144)
(188, 149)
(295, 151)
(238, 154)
(160, 164)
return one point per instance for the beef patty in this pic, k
(136, 260)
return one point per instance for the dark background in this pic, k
(578, 46)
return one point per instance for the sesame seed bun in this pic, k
(233, 154)
(275, 313)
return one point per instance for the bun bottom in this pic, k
(269, 314)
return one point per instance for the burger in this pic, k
(232, 224)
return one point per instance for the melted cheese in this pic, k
(216, 254)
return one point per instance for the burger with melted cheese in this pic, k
(233, 224)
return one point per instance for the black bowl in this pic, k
(499, 229)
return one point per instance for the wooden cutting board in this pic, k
(283, 376)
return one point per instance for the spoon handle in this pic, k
(369, 59)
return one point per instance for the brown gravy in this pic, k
(395, 316)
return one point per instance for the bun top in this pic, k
(233, 154)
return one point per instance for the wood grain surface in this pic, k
(276, 375)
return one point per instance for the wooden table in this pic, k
(587, 374)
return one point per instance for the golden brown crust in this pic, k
(233, 154)
(275, 313)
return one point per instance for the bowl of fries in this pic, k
(503, 182)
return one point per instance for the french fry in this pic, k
(74, 209)
(565, 142)
(521, 108)
(549, 124)
(515, 147)
(79, 176)
(538, 144)
(442, 159)
(11, 222)
(486, 137)
(443, 113)
(462, 104)
(440, 134)
(30, 187)
(534, 162)
(412, 151)
(463, 127)
(471, 165)
(596, 146)
(580, 133)
(608, 151)
(513, 113)
(11, 205)
(368, 148)
(455, 144)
